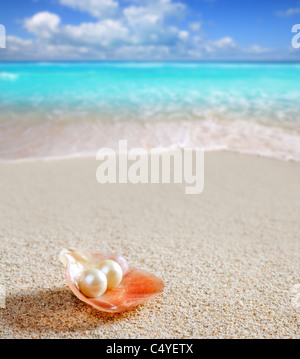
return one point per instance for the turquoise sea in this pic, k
(66, 109)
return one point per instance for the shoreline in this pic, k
(228, 257)
(46, 140)
(93, 156)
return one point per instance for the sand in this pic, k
(229, 257)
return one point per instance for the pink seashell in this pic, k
(137, 286)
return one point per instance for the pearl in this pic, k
(113, 272)
(92, 283)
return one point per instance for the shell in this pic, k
(137, 286)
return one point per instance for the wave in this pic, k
(8, 76)
(56, 139)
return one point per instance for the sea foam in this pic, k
(8, 76)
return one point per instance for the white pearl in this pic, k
(113, 272)
(92, 283)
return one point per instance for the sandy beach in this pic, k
(229, 257)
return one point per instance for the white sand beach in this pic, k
(229, 257)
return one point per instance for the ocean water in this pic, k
(67, 109)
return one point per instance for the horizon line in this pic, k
(150, 61)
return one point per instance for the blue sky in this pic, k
(45, 30)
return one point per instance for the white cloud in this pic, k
(224, 44)
(148, 21)
(97, 8)
(256, 49)
(288, 13)
(195, 26)
(225, 47)
(144, 29)
(104, 33)
(183, 35)
(42, 24)
(17, 45)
